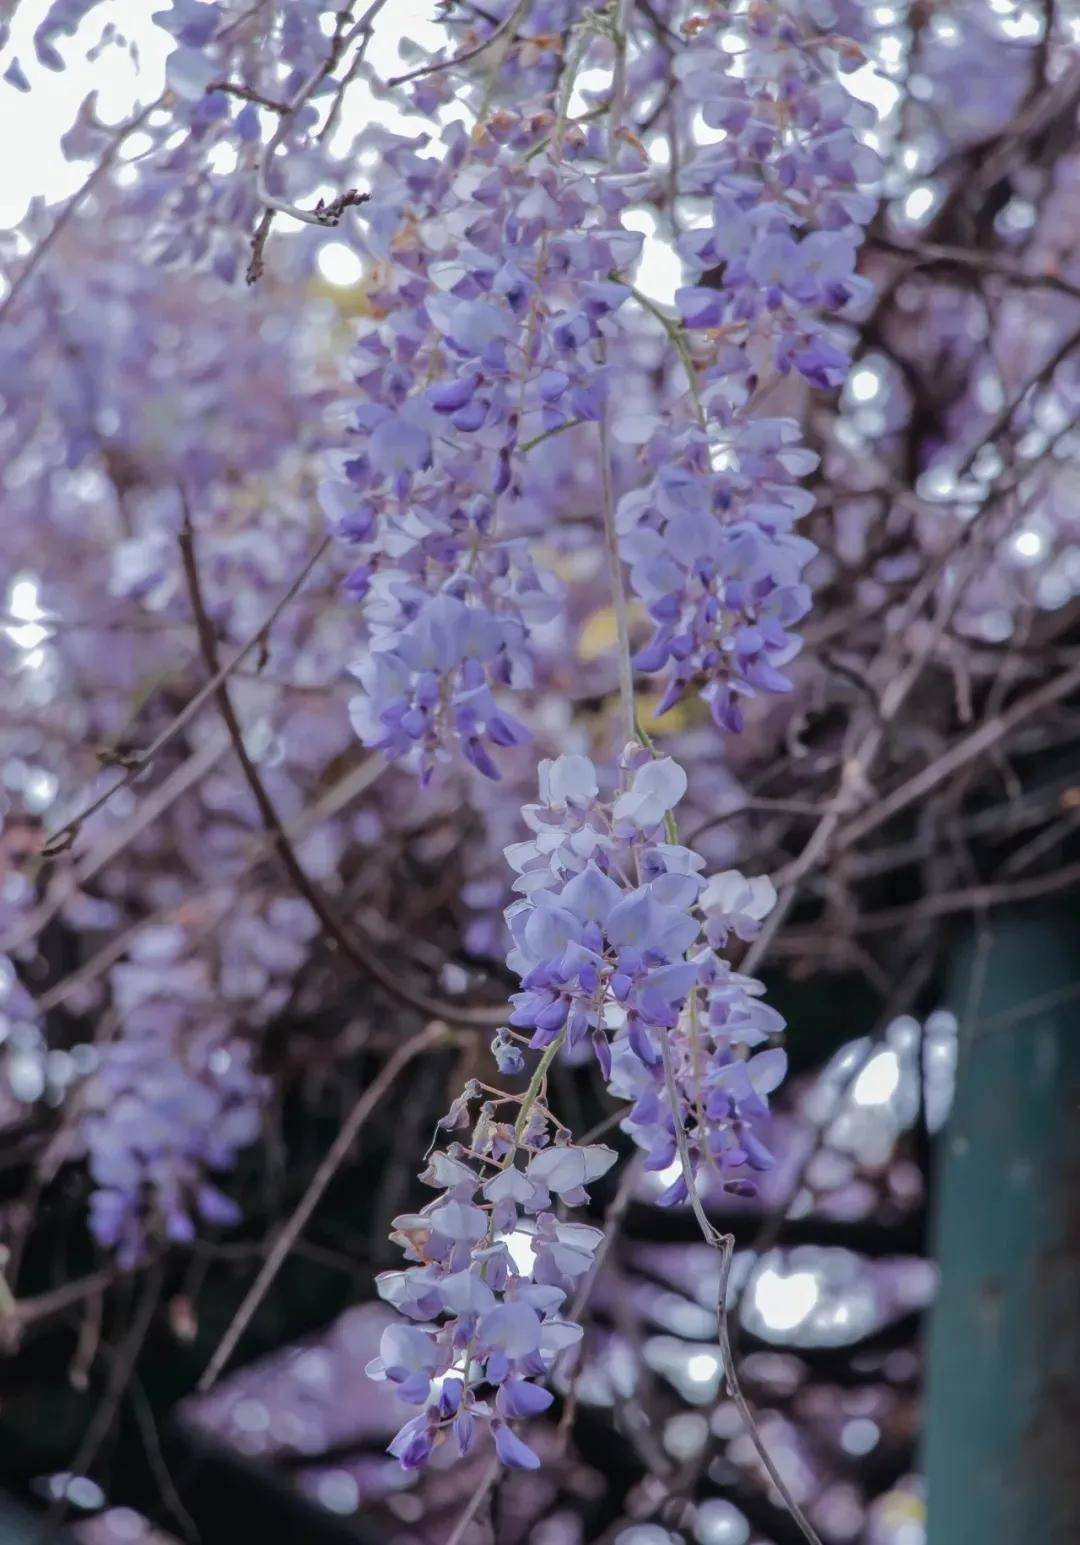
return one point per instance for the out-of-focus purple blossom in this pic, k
(157, 1121)
(175, 1097)
(201, 183)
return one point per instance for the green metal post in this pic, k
(1002, 1445)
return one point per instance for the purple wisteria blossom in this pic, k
(175, 1098)
(485, 1326)
(607, 945)
(206, 186)
(491, 298)
(709, 539)
(158, 1126)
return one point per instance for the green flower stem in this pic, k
(678, 337)
(536, 1083)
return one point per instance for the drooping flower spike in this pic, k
(710, 537)
(608, 946)
(490, 297)
(616, 932)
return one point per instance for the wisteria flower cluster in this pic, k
(172, 1103)
(502, 1331)
(491, 297)
(607, 945)
(169, 1105)
(616, 933)
(710, 538)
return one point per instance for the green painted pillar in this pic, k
(1002, 1442)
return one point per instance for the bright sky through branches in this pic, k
(38, 119)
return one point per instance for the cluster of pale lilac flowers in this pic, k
(173, 1100)
(710, 538)
(491, 300)
(616, 940)
(616, 935)
(501, 1329)
(171, 1103)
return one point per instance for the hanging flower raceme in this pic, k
(607, 942)
(175, 1097)
(490, 298)
(486, 1327)
(171, 1103)
(709, 539)
(605, 920)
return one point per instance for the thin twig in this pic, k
(89, 1341)
(724, 1245)
(612, 1223)
(607, 472)
(425, 1040)
(508, 23)
(28, 1311)
(139, 761)
(116, 1383)
(144, 1416)
(945, 903)
(325, 214)
(248, 94)
(993, 1024)
(476, 1501)
(362, 954)
(928, 254)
